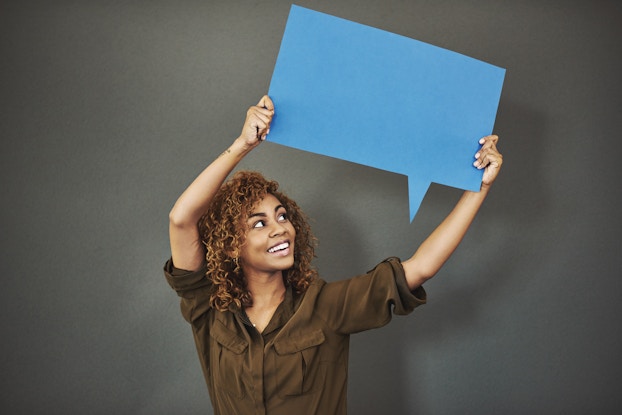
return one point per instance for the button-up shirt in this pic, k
(299, 363)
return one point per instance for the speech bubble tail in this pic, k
(416, 192)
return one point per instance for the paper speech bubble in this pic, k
(372, 97)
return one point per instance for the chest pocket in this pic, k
(296, 363)
(227, 360)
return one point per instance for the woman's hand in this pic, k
(257, 124)
(489, 158)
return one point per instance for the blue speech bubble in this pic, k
(372, 97)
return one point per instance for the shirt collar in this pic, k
(282, 314)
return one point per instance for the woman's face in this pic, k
(269, 244)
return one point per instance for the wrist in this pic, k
(485, 187)
(477, 195)
(239, 148)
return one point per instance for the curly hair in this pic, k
(222, 230)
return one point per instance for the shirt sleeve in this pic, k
(193, 288)
(368, 301)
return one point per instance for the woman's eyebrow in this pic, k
(262, 214)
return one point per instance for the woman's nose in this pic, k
(278, 229)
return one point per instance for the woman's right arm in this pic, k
(187, 251)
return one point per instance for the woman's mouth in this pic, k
(282, 248)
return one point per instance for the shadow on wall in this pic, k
(391, 361)
(487, 265)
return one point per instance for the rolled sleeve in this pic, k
(193, 288)
(408, 299)
(183, 281)
(368, 301)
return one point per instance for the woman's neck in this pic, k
(266, 289)
(267, 294)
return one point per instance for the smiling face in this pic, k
(269, 244)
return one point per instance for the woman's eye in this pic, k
(259, 224)
(283, 217)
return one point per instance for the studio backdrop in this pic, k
(110, 108)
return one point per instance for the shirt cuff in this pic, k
(182, 280)
(409, 300)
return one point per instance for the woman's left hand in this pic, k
(489, 158)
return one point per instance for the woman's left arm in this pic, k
(442, 242)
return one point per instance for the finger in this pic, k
(494, 160)
(258, 125)
(260, 128)
(480, 158)
(255, 125)
(260, 109)
(485, 161)
(266, 102)
(260, 113)
(482, 162)
(257, 122)
(489, 138)
(486, 156)
(488, 144)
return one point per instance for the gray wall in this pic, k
(109, 109)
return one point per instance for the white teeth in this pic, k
(279, 247)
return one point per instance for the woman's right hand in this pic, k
(257, 124)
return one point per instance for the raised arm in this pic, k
(438, 247)
(186, 249)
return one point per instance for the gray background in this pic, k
(110, 108)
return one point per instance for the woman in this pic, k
(272, 337)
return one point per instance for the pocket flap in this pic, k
(228, 338)
(293, 344)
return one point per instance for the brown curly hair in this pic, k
(222, 230)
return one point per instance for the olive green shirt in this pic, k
(299, 363)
